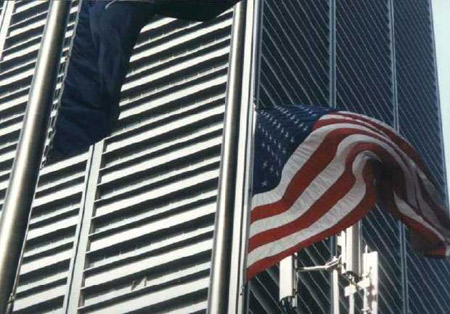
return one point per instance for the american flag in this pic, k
(319, 171)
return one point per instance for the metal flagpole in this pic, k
(221, 268)
(250, 77)
(22, 185)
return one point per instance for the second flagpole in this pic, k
(25, 172)
(229, 246)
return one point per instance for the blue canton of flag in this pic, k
(279, 131)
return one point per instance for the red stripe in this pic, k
(394, 137)
(330, 121)
(402, 144)
(398, 176)
(385, 190)
(398, 184)
(323, 155)
(433, 245)
(303, 178)
(355, 215)
(395, 182)
(392, 161)
(441, 215)
(336, 192)
(428, 239)
(439, 252)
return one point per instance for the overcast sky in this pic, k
(441, 17)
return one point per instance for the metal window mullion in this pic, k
(402, 227)
(334, 275)
(352, 235)
(332, 47)
(76, 279)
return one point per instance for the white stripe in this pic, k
(302, 203)
(339, 211)
(431, 191)
(297, 161)
(361, 118)
(405, 209)
(323, 181)
(447, 250)
(425, 209)
(348, 119)
(410, 182)
(308, 197)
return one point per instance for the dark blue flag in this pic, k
(105, 35)
(195, 10)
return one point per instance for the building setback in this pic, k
(128, 226)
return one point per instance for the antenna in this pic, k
(359, 270)
(288, 282)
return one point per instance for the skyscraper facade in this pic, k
(371, 57)
(128, 225)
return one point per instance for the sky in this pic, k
(441, 18)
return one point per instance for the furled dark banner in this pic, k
(105, 35)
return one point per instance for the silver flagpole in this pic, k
(249, 100)
(22, 185)
(219, 288)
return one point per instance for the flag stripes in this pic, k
(333, 178)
